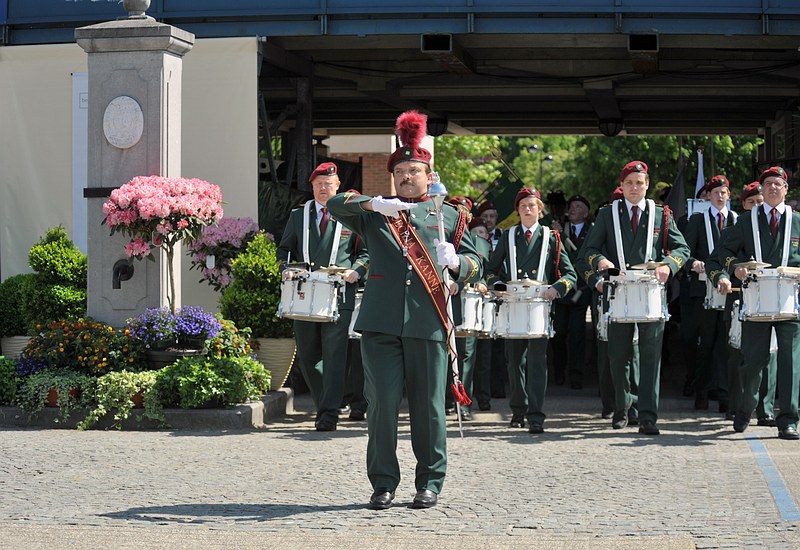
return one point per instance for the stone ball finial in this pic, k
(136, 8)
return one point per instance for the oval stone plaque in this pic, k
(123, 122)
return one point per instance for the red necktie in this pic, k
(773, 223)
(634, 219)
(720, 221)
(323, 223)
(528, 235)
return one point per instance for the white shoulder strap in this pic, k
(787, 234)
(709, 235)
(512, 254)
(618, 234)
(651, 221)
(756, 233)
(541, 274)
(306, 231)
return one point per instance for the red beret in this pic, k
(476, 222)
(411, 127)
(462, 201)
(324, 169)
(751, 189)
(526, 192)
(616, 194)
(717, 181)
(486, 205)
(633, 166)
(774, 171)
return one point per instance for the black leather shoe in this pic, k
(449, 410)
(536, 428)
(466, 416)
(517, 421)
(701, 403)
(729, 415)
(425, 498)
(325, 426)
(633, 417)
(649, 427)
(619, 420)
(344, 409)
(740, 422)
(789, 432)
(485, 406)
(767, 421)
(357, 415)
(606, 413)
(381, 498)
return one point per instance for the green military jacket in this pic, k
(528, 261)
(351, 252)
(695, 235)
(737, 245)
(600, 242)
(395, 300)
(572, 247)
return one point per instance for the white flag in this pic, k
(701, 178)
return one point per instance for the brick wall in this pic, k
(376, 180)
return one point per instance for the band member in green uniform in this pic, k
(322, 346)
(530, 251)
(601, 252)
(403, 319)
(774, 239)
(702, 233)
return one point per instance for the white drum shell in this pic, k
(311, 297)
(471, 313)
(770, 297)
(524, 313)
(713, 300)
(488, 320)
(636, 300)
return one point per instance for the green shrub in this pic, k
(14, 318)
(58, 260)
(45, 302)
(9, 380)
(195, 381)
(115, 393)
(252, 299)
(75, 391)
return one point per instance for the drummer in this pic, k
(670, 250)
(702, 233)
(322, 346)
(776, 224)
(528, 376)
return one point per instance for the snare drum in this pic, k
(311, 296)
(636, 297)
(471, 313)
(714, 300)
(770, 296)
(351, 331)
(523, 312)
(489, 315)
(735, 333)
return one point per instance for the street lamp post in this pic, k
(535, 149)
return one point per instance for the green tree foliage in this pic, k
(466, 164)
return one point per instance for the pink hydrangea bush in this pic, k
(223, 241)
(157, 212)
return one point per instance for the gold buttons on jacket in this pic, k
(408, 283)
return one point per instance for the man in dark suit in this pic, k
(601, 252)
(403, 317)
(773, 238)
(569, 318)
(322, 346)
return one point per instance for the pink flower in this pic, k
(138, 248)
(183, 224)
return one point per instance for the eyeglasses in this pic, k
(775, 183)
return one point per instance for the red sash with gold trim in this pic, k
(422, 263)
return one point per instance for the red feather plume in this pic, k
(412, 127)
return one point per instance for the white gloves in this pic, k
(446, 255)
(390, 207)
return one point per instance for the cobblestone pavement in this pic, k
(581, 484)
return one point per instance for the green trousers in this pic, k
(322, 354)
(527, 377)
(755, 350)
(390, 363)
(619, 359)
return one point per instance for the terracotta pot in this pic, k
(138, 400)
(277, 355)
(52, 396)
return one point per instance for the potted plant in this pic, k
(119, 393)
(165, 335)
(252, 300)
(13, 316)
(158, 212)
(218, 244)
(204, 381)
(9, 380)
(63, 388)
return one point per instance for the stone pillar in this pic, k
(135, 69)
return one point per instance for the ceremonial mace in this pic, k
(437, 193)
